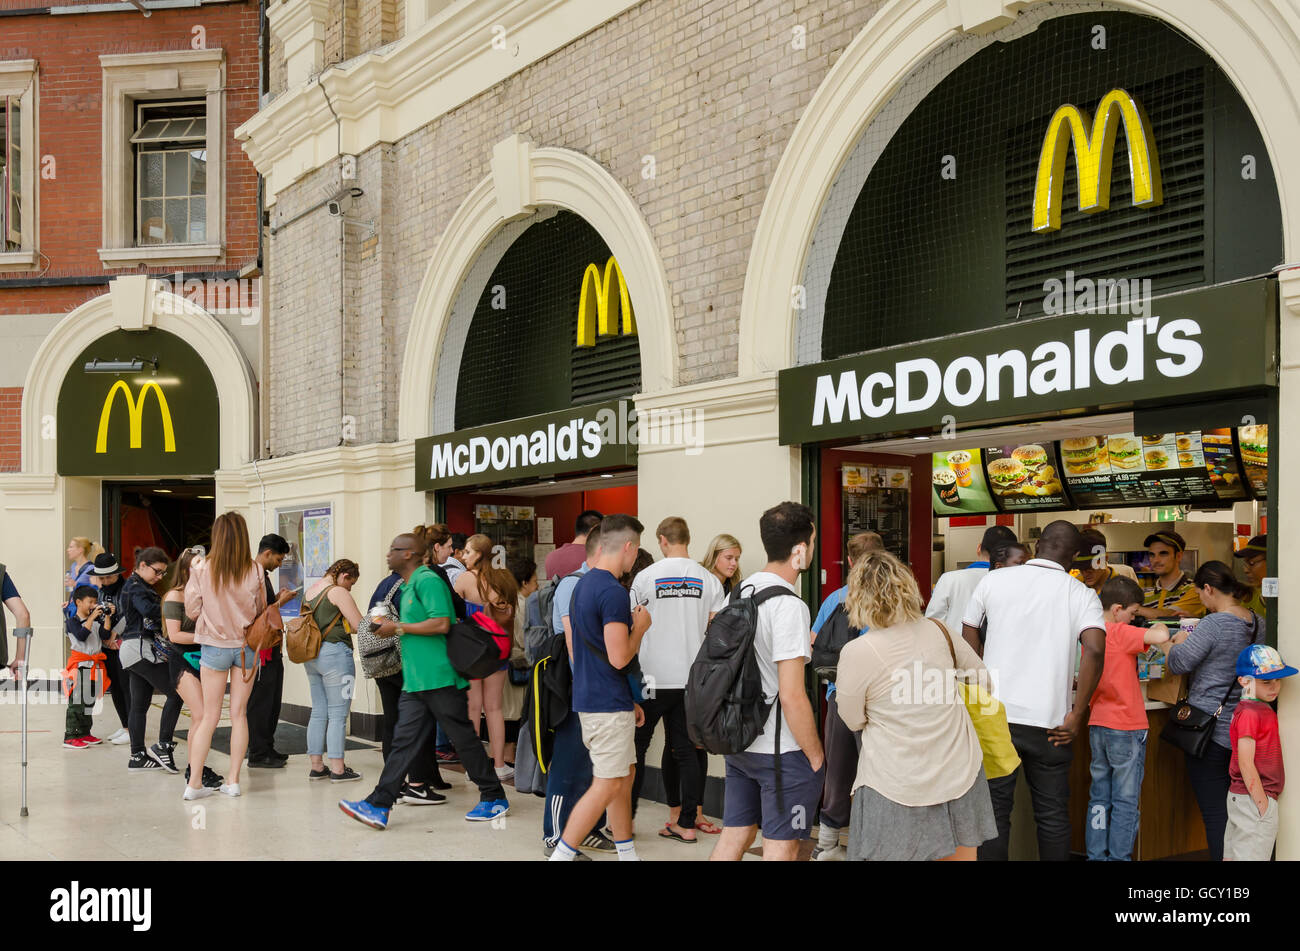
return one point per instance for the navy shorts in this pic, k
(750, 794)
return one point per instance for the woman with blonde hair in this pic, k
(499, 592)
(723, 559)
(81, 555)
(920, 793)
(333, 671)
(225, 594)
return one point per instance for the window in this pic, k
(11, 173)
(171, 161)
(17, 164)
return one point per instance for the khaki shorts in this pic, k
(610, 739)
(1249, 836)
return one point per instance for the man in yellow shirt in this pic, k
(1174, 593)
(1254, 557)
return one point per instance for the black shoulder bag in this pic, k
(1192, 729)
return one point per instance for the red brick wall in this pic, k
(67, 49)
(11, 400)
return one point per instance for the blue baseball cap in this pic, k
(1263, 663)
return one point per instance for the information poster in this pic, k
(1025, 477)
(958, 484)
(309, 532)
(1221, 464)
(1124, 469)
(511, 528)
(876, 500)
(1253, 441)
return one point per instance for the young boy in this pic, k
(1117, 731)
(1255, 773)
(85, 629)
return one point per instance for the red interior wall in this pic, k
(830, 520)
(564, 508)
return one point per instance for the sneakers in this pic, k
(210, 778)
(505, 773)
(364, 812)
(445, 757)
(229, 789)
(76, 743)
(836, 853)
(92, 740)
(201, 793)
(162, 752)
(347, 776)
(549, 850)
(322, 773)
(595, 842)
(487, 811)
(420, 796)
(120, 738)
(143, 763)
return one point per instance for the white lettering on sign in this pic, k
(578, 438)
(1056, 366)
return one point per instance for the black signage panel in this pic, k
(1125, 469)
(1025, 477)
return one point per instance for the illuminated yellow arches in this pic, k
(135, 410)
(595, 316)
(1092, 158)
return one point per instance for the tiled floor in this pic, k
(85, 805)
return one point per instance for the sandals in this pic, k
(704, 825)
(667, 833)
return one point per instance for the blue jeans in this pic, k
(223, 658)
(332, 678)
(1118, 762)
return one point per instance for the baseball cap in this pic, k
(1170, 538)
(1263, 663)
(1256, 546)
(106, 564)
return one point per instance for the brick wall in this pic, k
(711, 88)
(11, 401)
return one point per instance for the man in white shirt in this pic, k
(682, 597)
(782, 646)
(1037, 616)
(953, 589)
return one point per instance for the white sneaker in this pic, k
(836, 854)
(201, 793)
(120, 738)
(505, 772)
(229, 789)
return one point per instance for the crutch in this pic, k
(21, 634)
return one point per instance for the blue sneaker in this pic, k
(363, 811)
(486, 811)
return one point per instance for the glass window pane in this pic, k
(178, 177)
(177, 214)
(151, 222)
(150, 131)
(198, 173)
(151, 174)
(200, 127)
(198, 220)
(176, 128)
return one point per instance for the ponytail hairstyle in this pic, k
(181, 569)
(1220, 577)
(344, 566)
(501, 583)
(434, 535)
(88, 548)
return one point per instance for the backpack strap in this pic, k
(759, 597)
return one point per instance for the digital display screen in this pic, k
(1025, 477)
(1253, 441)
(958, 484)
(1124, 469)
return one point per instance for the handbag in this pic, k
(1190, 728)
(990, 720)
(380, 656)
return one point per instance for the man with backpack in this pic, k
(606, 635)
(777, 780)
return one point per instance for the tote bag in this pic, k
(990, 719)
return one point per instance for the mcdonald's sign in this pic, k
(1094, 150)
(135, 409)
(596, 317)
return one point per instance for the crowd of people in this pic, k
(891, 774)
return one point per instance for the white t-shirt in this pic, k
(951, 594)
(680, 595)
(1036, 613)
(784, 632)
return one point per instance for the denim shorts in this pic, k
(223, 658)
(750, 796)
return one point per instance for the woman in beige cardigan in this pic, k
(920, 792)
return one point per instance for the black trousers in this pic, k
(424, 767)
(842, 747)
(1209, 778)
(118, 686)
(264, 706)
(1047, 770)
(673, 779)
(145, 679)
(416, 715)
(670, 706)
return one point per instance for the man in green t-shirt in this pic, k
(432, 693)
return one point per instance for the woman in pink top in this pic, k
(225, 594)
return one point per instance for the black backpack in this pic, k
(725, 708)
(549, 697)
(835, 633)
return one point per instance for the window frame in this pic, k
(19, 80)
(163, 146)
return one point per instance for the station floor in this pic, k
(84, 805)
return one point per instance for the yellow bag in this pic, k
(990, 719)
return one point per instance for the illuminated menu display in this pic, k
(958, 485)
(1253, 441)
(1025, 477)
(1123, 469)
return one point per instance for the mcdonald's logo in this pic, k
(596, 318)
(135, 410)
(1093, 154)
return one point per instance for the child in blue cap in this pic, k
(1255, 774)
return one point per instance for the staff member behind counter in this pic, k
(1174, 592)
(1090, 564)
(1255, 562)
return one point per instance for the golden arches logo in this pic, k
(135, 410)
(596, 318)
(1093, 154)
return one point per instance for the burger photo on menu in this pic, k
(1007, 475)
(1125, 452)
(1081, 455)
(1024, 476)
(1157, 458)
(1254, 445)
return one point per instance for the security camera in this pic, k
(337, 207)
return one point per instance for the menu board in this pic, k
(1253, 441)
(1222, 465)
(959, 485)
(1156, 469)
(1025, 477)
(876, 500)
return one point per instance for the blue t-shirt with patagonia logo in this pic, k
(598, 599)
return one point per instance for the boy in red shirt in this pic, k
(1255, 773)
(1117, 731)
